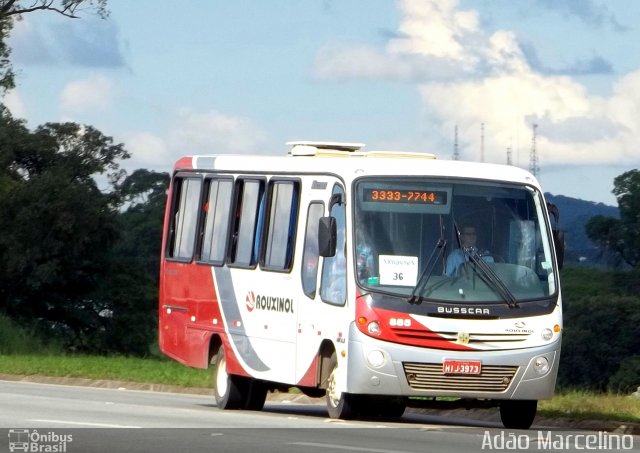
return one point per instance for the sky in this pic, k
(209, 76)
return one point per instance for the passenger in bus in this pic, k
(365, 263)
(468, 240)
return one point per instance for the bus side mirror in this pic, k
(327, 236)
(558, 235)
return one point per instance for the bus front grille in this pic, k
(429, 376)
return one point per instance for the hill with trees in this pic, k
(574, 216)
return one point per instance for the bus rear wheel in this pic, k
(256, 395)
(228, 389)
(518, 414)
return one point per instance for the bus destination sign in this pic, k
(410, 196)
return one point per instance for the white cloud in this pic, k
(466, 76)
(434, 28)
(148, 151)
(14, 103)
(86, 95)
(214, 132)
(191, 133)
(361, 62)
(434, 41)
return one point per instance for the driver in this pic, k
(468, 240)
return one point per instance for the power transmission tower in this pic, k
(481, 142)
(456, 152)
(534, 167)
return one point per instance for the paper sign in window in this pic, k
(398, 270)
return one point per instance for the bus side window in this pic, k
(245, 238)
(184, 219)
(216, 219)
(310, 255)
(281, 225)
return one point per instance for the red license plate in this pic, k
(462, 367)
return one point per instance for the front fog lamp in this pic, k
(541, 365)
(375, 358)
(373, 328)
(547, 334)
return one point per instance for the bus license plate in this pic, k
(461, 367)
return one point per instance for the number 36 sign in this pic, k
(398, 270)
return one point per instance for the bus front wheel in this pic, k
(518, 414)
(340, 404)
(228, 389)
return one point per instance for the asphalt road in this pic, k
(43, 417)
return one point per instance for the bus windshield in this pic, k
(462, 241)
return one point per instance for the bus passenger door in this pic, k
(322, 306)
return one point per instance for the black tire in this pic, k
(340, 405)
(256, 395)
(228, 389)
(518, 414)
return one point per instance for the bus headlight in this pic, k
(547, 334)
(375, 358)
(541, 365)
(373, 328)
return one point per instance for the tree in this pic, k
(75, 262)
(57, 225)
(6, 72)
(621, 236)
(68, 8)
(11, 10)
(601, 333)
(130, 290)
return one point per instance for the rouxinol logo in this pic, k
(268, 303)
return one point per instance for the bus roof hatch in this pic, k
(312, 148)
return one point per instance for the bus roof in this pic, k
(348, 161)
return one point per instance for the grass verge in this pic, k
(583, 405)
(153, 371)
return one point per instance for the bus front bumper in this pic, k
(382, 368)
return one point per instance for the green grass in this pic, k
(16, 339)
(155, 371)
(584, 405)
(22, 352)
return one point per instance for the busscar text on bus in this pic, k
(376, 279)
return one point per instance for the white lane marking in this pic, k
(67, 422)
(346, 447)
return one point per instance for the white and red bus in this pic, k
(331, 270)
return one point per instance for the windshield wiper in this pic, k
(428, 270)
(490, 277)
